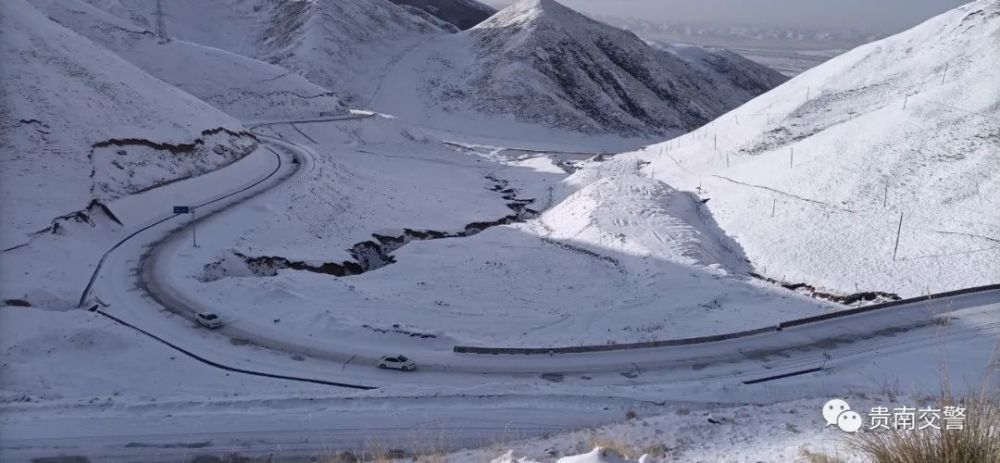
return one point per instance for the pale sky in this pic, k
(879, 16)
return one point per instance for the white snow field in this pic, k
(328, 237)
(811, 178)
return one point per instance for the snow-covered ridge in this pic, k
(546, 63)
(813, 177)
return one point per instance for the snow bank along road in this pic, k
(760, 352)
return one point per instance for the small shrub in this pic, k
(815, 457)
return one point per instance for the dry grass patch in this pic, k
(977, 442)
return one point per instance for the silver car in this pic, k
(396, 362)
(208, 320)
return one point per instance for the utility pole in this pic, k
(905, 100)
(194, 228)
(161, 24)
(945, 73)
(791, 157)
(898, 230)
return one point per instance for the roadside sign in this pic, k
(189, 210)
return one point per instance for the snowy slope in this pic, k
(645, 217)
(463, 14)
(241, 86)
(80, 123)
(812, 178)
(342, 44)
(546, 63)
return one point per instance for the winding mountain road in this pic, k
(746, 354)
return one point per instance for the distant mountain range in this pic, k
(723, 35)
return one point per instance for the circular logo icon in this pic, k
(849, 421)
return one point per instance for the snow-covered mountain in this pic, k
(816, 177)
(536, 61)
(340, 44)
(546, 63)
(241, 86)
(80, 123)
(463, 14)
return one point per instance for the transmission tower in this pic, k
(161, 24)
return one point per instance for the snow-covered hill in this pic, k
(643, 217)
(543, 63)
(243, 87)
(812, 178)
(80, 123)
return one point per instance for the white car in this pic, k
(396, 362)
(208, 320)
